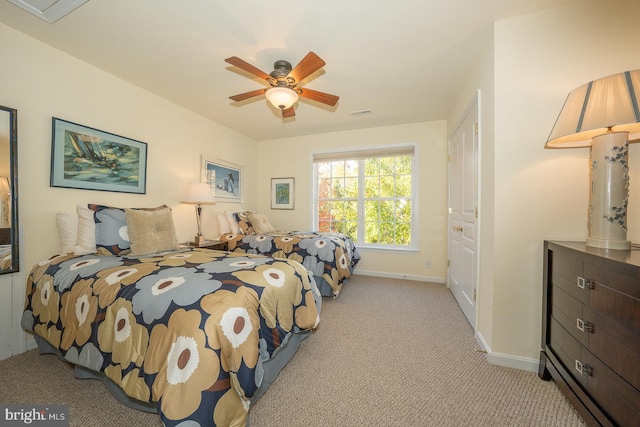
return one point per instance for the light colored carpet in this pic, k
(387, 353)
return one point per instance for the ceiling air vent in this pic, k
(49, 10)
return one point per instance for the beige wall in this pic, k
(41, 82)
(540, 194)
(292, 157)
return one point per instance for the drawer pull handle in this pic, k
(584, 283)
(583, 368)
(584, 326)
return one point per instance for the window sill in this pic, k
(407, 250)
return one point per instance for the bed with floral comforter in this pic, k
(330, 257)
(189, 331)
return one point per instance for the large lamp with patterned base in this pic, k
(603, 115)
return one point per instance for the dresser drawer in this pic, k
(566, 310)
(566, 263)
(615, 396)
(623, 278)
(566, 268)
(571, 286)
(607, 299)
(615, 345)
(567, 349)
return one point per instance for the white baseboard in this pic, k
(507, 360)
(400, 276)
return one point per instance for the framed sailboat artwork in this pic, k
(86, 158)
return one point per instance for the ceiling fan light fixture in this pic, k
(281, 97)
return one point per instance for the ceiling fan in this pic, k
(284, 80)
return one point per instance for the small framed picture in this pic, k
(282, 193)
(91, 159)
(225, 179)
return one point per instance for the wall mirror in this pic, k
(9, 253)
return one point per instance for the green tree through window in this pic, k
(369, 197)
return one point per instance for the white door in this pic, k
(463, 212)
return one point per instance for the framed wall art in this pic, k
(282, 192)
(225, 179)
(91, 159)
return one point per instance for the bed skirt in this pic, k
(272, 368)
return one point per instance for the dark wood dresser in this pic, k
(591, 330)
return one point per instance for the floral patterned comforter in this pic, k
(330, 257)
(187, 329)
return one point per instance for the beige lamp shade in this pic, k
(610, 103)
(197, 193)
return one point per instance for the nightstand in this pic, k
(210, 244)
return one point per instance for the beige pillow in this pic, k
(150, 231)
(260, 223)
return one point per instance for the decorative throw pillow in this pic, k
(260, 223)
(112, 236)
(86, 236)
(111, 231)
(242, 218)
(151, 231)
(233, 224)
(67, 223)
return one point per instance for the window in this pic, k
(367, 195)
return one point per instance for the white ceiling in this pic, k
(403, 60)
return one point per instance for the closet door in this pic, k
(462, 275)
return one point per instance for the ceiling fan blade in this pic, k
(244, 65)
(247, 95)
(309, 64)
(288, 112)
(322, 97)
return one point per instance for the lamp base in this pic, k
(623, 245)
(609, 195)
(199, 240)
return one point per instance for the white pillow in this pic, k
(233, 224)
(223, 223)
(67, 223)
(86, 238)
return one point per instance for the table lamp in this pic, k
(603, 115)
(198, 193)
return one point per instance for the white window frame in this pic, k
(385, 151)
